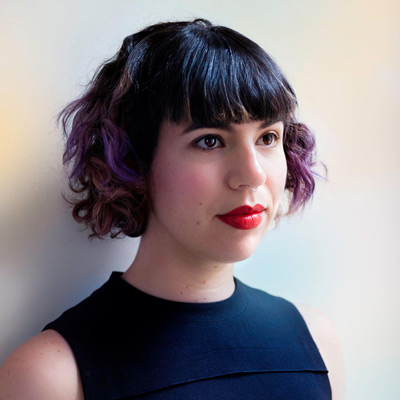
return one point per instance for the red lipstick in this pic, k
(243, 217)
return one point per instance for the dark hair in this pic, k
(190, 70)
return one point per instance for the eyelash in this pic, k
(197, 141)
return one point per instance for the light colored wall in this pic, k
(342, 255)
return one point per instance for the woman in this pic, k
(187, 138)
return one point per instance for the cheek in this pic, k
(283, 174)
(181, 183)
(277, 183)
(277, 175)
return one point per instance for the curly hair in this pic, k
(187, 70)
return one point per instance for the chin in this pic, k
(232, 258)
(236, 253)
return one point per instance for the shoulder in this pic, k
(326, 337)
(44, 367)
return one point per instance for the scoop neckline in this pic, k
(224, 309)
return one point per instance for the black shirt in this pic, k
(129, 344)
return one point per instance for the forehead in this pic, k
(185, 127)
(260, 124)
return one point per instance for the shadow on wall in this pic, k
(50, 265)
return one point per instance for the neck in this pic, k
(174, 275)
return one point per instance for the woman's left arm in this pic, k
(325, 336)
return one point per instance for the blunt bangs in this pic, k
(213, 75)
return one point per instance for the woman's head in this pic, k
(181, 71)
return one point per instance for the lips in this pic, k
(244, 217)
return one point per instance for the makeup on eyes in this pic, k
(213, 141)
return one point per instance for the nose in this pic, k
(246, 170)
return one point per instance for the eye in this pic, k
(269, 139)
(208, 142)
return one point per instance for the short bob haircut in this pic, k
(190, 70)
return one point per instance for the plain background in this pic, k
(341, 255)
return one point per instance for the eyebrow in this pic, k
(225, 127)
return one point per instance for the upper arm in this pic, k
(326, 338)
(42, 368)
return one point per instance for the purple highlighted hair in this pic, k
(190, 70)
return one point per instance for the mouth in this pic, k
(244, 217)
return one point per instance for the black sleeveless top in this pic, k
(131, 345)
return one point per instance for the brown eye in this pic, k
(208, 142)
(269, 139)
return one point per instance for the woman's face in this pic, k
(200, 175)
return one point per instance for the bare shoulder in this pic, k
(42, 368)
(326, 337)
